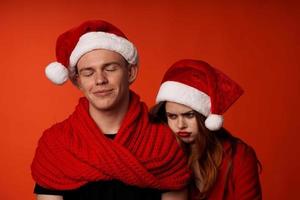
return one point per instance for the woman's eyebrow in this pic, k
(188, 112)
(170, 113)
(185, 113)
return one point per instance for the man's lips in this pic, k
(102, 92)
(184, 134)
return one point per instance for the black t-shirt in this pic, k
(104, 190)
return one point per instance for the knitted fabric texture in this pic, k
(75, 152)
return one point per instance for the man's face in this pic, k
(104, 77)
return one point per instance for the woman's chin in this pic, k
(188, 140)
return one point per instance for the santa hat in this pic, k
(90, 35)
(196, 84)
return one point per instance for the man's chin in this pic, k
(103, 108)
(100, 105)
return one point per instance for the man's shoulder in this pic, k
(161, 127)
(57, 129)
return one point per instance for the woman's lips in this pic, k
(184, 134)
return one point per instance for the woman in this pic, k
(192, 98)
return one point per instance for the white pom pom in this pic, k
(214, 122)
(57, 73)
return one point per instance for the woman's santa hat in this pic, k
(90, 35)
(196, 84)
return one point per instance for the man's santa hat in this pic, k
(196, 84)
(90, 35)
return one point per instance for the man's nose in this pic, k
(100, 78)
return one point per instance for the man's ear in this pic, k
(77, 81)
(132, 73)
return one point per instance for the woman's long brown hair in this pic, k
(206, 152)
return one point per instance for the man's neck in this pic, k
(109, 121)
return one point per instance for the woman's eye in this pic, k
(171, 116)
(190, 115)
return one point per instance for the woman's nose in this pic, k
(181, 123)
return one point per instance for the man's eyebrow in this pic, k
(85, 68)
(112, 63)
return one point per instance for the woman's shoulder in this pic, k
(238, 145)
(241, 154)
(235, 146)
(238, 149)
(244, 168)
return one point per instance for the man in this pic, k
(107, 149)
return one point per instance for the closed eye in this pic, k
(111, 67)
(86, 72)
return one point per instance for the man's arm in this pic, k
(48, 197)
(175, 195)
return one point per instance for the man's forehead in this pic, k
(100, 57)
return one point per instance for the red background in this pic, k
(255, 42)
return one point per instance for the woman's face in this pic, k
(182, 121)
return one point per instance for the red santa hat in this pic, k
(196, 84)
(90, 35)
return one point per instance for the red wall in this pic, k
(255, 43)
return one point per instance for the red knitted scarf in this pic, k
(75, 152)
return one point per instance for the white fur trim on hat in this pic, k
(186, 95)
(102, 40)
(214, 122)
(57, 73)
